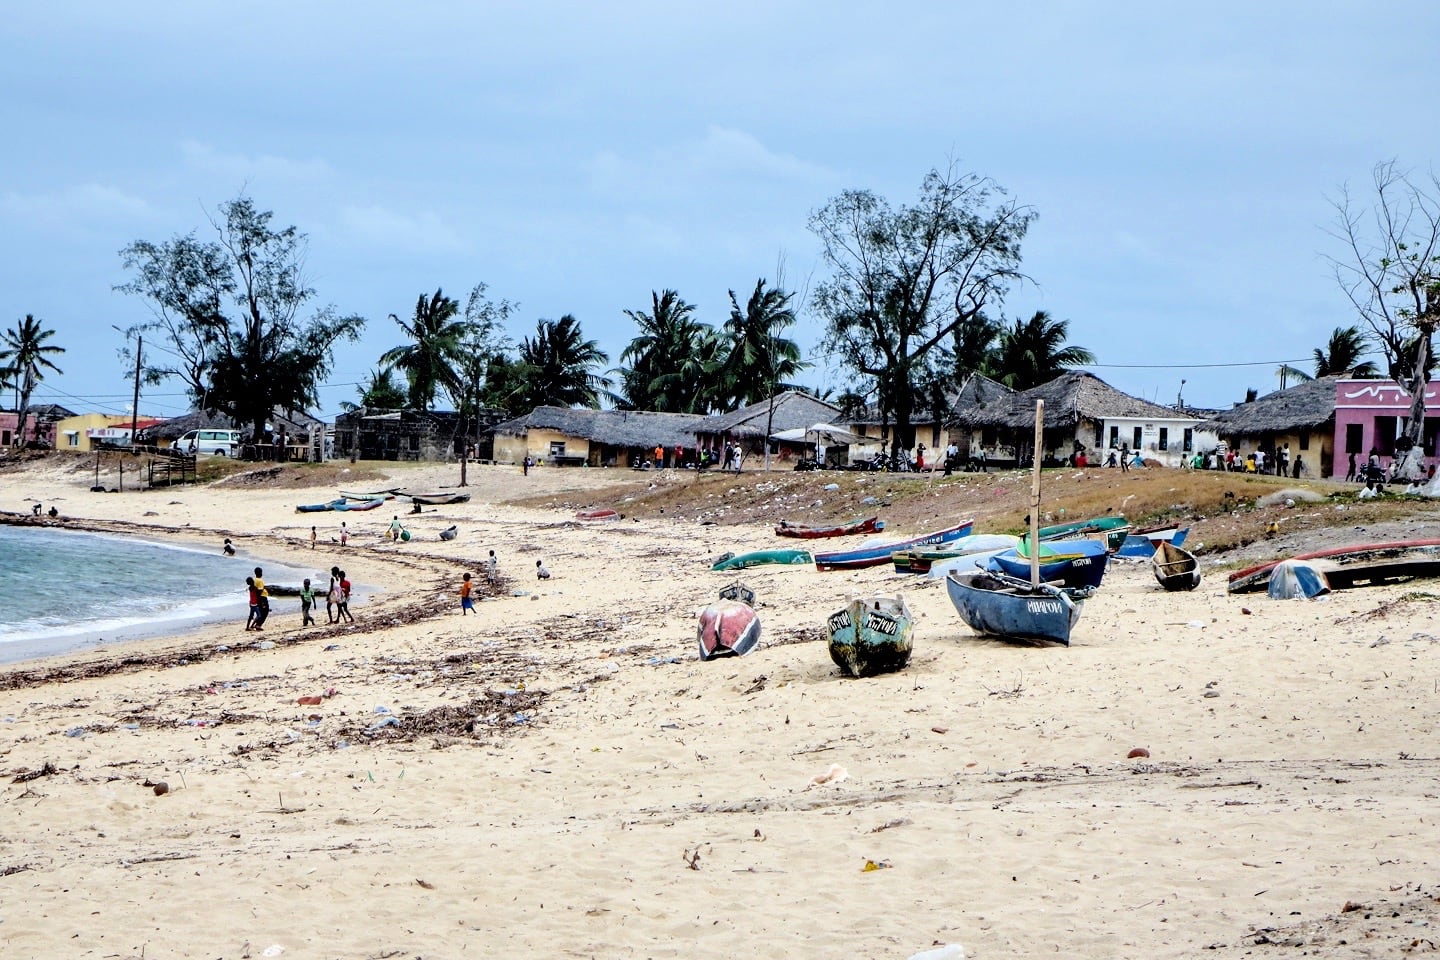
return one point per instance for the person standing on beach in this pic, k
(263, 606)
(1125, 458)
(254, 604)
(332, 596)
(307, 601)
(344, 534)
(313, 537)
(395, 528)
(466, 602)
(344, 606)
(490, 564)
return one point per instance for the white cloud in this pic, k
(78, 205)
(381, 227)
(239, 167)
(701, 167)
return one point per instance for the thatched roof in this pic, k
(792, 409)
(978, 392)
(1304, 406)
(1069, 398)
(618, 428)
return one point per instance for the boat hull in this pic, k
(1000, 606)
(1084, 567)
(871, 636)
(321, 507)
(1141, 544)
(438, 499)
(787, 557)
(597, 516)
(727, 628)
(347, 505)
(1175, 568)
(866, 525)
(881, 553)
(1351, 566)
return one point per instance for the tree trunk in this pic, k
(1410, 464)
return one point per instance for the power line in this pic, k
(1192, 366)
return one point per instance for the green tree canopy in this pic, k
(23, 362)
(1342, 355)
(759, 359)
(558, 366)
(237, 315)
(430, 359)
(904, 280)
(1033, 352)
(672, 365)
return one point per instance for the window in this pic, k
(1304, 439)
(1164, 438)
(1189, 439)
(557, 448)
(1386, 429)
(1114, 436)
(1139, 436)
(1354, 437)
(72, 438)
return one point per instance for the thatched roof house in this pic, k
(1070, 399)
(565, 435)
(752, 425)
(1302, 416)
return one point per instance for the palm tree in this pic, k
(378, 393)
(1031, 353)
(760, 360)
(672, 363)
(26, 357)
(429, 362)
(557, 366)
(1342, 355)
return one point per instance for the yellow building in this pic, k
(87, 431)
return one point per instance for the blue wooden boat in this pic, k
(870, 556)
(787, 556)
(1001, 606)
(322, 507)
(1140, 544)
(353, 505)
(871, 636)
(1071, 563)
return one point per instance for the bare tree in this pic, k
(1391, 274)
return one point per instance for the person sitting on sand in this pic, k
(343, 607)
(254, 603)
(307, 600)
(540, 572)
(229, 548)
(467, 603)
(53, 513)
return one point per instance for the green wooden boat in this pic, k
(871, 636)
(758, 557)
(1113, 530)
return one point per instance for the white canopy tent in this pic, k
(826, 433)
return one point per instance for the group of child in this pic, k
(337, 598)
(467, 596)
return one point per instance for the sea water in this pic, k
(63, 589)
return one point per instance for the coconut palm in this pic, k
(377, 393)
(557, 366)
(26, 357)
(1342, 355)
(429, 361)
(759, 359)
(672, 363)
(1032, 352)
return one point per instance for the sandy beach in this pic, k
(560, 776)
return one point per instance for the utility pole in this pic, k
(135, 404)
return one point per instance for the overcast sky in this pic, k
(1182, 158)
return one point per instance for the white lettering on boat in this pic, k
(881, 625)
(1043, 606)
(840, 621)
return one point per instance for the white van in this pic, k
(221, 443)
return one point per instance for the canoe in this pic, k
(1070, 563)
(437, 499)
(922, 559)
(727, 628)
(1141, 542)
(1351, 566)
(388, 494)
(359, 505)
(1175, 567)
(871, 636)
(758, 557)
(1111, 530)
(865, 525)
(738, 591)
(870, 556)
(1000, 606)
(597, 515)
(321, 507)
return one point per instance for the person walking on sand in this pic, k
(1351, 474)
(313, 537)
(490, 564)
(263, 607)
(332, 597)
(254, 603)
(344, 533)
(307, 602)
(540, 572)
(1125, 458)
(343, 607)
(394, 533)
(467, 603)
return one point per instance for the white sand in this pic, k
(656, 806)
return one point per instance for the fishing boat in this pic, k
(437, 499)
(1352, 566)
(728, 627)
(849, 527)
(386, 494)
(1142, 541)
(869, 556)
(1112, 531)
(1175, 567)
(321, 507)
(923, 559)
(1068, 563)
(353, 505)
(738, 591)
(999, 605)
(756, 558)
(871, 636)
(599, 516)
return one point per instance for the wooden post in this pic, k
(1035, 494)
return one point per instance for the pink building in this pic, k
(35, 429)
(1371, 415)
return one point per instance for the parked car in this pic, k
(220, 443)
